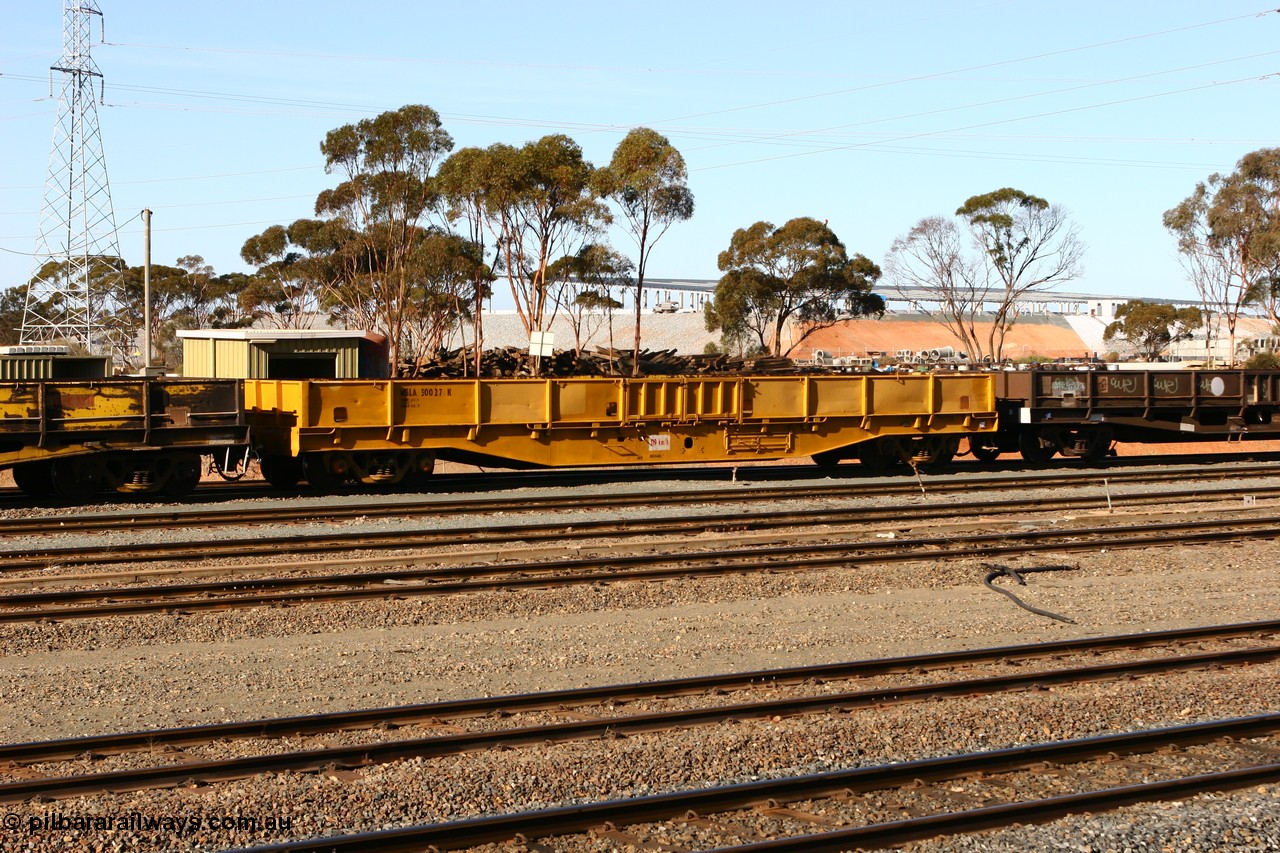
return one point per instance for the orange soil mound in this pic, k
(858, 337)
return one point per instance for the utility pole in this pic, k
(146, 291)
(76, 292)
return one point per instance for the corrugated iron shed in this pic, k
(283, 354)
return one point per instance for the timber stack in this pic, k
(511, 362)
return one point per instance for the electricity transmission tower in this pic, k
(76, 294)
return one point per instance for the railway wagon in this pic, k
(77, 438)
(368, 431)
(1080, 413)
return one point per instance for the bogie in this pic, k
(831, 458)
(330, 471)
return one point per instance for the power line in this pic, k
(591, 128)
(922, 134)
(216, 176)
(946, 74)
(1005, 100)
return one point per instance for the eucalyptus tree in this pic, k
(198, 291)
(799, 273)
(1029, 245)
(1017, 244)
(115, 323)
(274, 292)
(448, 268)
(550, 210)
(300, 270)
(168, 296)
(463, 182)
(13, 302)
(648, 180)
(387, 164)
(930, 267)
(1228, 233)
(1150, 328)
(224, 307)
(187, 295)
(538, 204)
(1266, 295)
(582, 286)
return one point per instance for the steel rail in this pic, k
(1011, 814)
(420, 582)
(66, 748)
(435, 746)
(145, 519)
(40, 558)
(570, 820)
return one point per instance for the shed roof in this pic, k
(269, 335)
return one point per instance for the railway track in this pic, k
(1014, 786)
(407, 583)
(707, 828)
(606, 714)
(217, 491)
(579, 529)
(435, 507)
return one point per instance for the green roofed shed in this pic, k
(50, 361)
(283, 354)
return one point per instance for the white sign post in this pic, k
(541, 344)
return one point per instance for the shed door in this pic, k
(310, 365)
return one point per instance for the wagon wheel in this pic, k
(184, 475)
(984, 449)
(35, 479)
(1035, 448)
(282, 472)
(879, 454)
(318, 473)
(77, 479)
(929, 453)
(418, 477)
(1099, 444)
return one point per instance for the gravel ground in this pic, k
(131, 673)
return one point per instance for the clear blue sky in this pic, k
(871, 115)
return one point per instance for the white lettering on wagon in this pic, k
(1061, 386)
